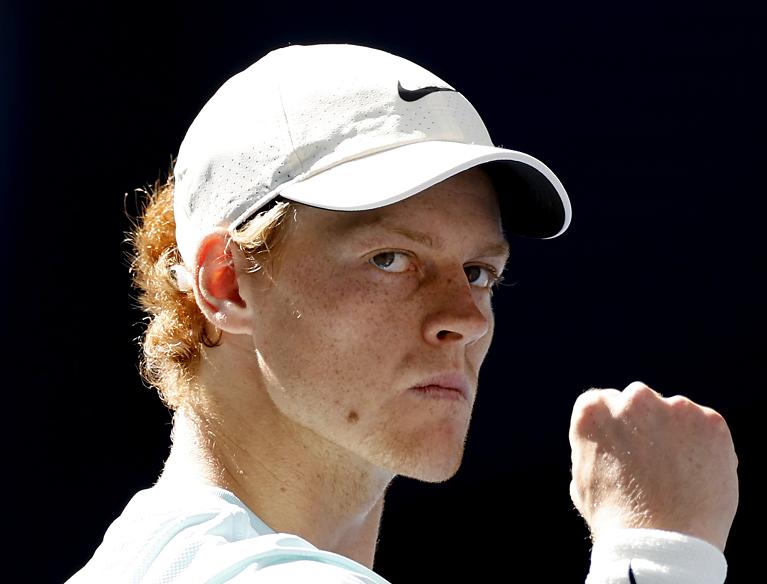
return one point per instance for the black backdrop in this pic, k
(652, 116)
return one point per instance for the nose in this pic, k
(456, 312)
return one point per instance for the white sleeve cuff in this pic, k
(653, 556)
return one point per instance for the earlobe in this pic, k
(217, 288)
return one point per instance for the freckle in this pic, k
(352, 417)
(283, 489)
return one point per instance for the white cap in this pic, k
(349, 128)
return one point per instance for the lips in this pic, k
(447, 385)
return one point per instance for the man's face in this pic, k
(366, 306)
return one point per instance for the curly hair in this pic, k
(175, 331)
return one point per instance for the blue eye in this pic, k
(481, 276)
(391, 261)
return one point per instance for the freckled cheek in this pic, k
(360, 315)
(344, 328)
(363, 298)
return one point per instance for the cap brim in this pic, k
(533, 201)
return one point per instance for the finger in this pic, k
(637, 395)
(640, 388)
(594, 395)
(589, 408)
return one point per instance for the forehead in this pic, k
(461, 213)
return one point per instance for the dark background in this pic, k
(652, 116)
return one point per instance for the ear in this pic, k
(216, 287)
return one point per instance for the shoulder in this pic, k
(206, 534)
(304, 571)
(279, 558)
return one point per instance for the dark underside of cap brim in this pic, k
(530, 205)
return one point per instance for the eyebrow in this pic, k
(500, 248)
(493, 249)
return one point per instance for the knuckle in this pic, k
(638, 392)
(590, 412)
(713, 416)
(721, 427)
(635, 386)
(589, 395)
(593, 402)
(680, 402)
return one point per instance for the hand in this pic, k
(641, 460)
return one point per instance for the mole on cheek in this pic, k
(352, 417)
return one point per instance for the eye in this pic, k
(391, 261)
(482, 276)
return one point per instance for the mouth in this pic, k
(451, 386)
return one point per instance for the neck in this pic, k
(294, 480)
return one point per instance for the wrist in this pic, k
(655, 556)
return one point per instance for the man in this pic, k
(319, 275)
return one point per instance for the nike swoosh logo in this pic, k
(631, 575)
(416, 94)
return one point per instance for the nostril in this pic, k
(443, 334)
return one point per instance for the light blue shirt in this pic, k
(205, 534)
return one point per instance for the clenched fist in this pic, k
(642, 460)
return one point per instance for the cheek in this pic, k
(351, 302)
(335, 329)
(333, 353)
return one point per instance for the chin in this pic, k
(431, 454)
(434, 474)
(432, 465)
